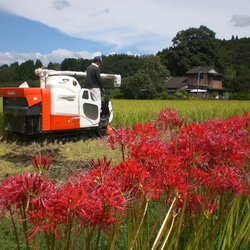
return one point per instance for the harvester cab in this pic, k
(58, 105)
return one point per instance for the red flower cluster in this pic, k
(90, 199)
(196, 165)
(28, 195)
(103, 194)
(213, 155)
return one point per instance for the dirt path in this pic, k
(16, 158)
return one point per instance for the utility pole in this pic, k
(198, 81)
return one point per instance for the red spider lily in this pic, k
(121, 137)
(165, 116)
(41, 163)
(103, 196)
(24, 188)
(209, 209)
(196, 200)
(194, 131)
(124, 138)
(247, 117)
(146, 131)
(148, 152)
(65, 202)
(133, 178)
(28, 195)
(168, 118)
(225, 178)
(196, 165)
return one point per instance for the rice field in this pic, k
(129, 112)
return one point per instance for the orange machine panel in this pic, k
(32, 95)
(45, 109)
(64, 122)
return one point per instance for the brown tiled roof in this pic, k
(176, 82)
(204, 69)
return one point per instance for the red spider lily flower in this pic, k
(146, 131)
(24, 188)
(133, 178)
(65, 204)
(41, 163)
(194, 130)
(165, 116)
(168, 118)
(247, 116)
(225, 178)
(28, 196)
(103, 194)
(148, 152)
(177, 123)
(193, 201)
(209, 209)
(123, 138)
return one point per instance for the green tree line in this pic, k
(142, 76)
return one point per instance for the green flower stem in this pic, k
(116, 230)
(139, 227)
(163, 226)
(180, 223)
(154, 227)
(169, 231)
(15, 230)
(242, 230)
(24, 223)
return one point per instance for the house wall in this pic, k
(191, 79)
(208, 80)
(214, 82)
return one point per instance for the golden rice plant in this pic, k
(129, 112)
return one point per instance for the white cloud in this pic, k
(57, 56)
(138, 23)
(145, 25)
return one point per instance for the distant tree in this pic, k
(38, 64)
(51, 66)
(84, 63)
(75, 64)
(241, 80)
(191, 47)
(122, 64)
(148, 80)
(69, 64)
(9, 74)
(26, 70)
(4, 66)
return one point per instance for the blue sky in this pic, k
(51, 30)
(26, 36)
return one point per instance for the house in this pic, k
(173, 84)
(200, 79)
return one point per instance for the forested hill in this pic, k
(191, 47)
(198, 47)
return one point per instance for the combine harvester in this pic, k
(59, 107)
